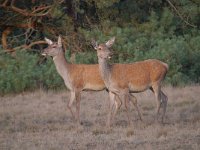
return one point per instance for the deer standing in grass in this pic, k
(77, 77)
(122, 79)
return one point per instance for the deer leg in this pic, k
(118, 104)
(133, 99)
(78, 99)
(111, 105)
(164, 104)
(127, 100)
(157, 93)
(69, 105)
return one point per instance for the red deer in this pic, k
(77, 77)
(122, 79)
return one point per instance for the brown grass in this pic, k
(41, 121)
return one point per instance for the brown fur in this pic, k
(86, 77)
(121, 79)
(141, 74)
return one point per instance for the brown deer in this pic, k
(78, 77)
(122, 79)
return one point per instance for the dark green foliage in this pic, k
(86, 58)
(23, 72)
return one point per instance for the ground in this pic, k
(40, 121)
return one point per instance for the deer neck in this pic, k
(62, 67)
(105, 70)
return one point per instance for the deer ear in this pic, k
(94, 44)
(110, 42)
(59, 41)
(48, 41)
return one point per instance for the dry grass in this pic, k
(41, 121)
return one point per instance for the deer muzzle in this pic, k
(44, 53)
(110, 55)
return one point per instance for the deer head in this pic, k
(103, 49)
(54, 48)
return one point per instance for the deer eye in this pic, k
(100, 48)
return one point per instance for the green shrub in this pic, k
(23, 72)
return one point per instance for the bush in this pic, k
(23, 72)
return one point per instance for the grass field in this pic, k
(40, 121)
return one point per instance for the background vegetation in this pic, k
(164, 29)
